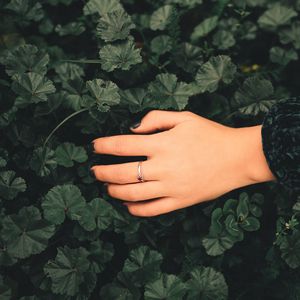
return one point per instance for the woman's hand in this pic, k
(192, 160)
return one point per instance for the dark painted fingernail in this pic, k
(135, 125)
(105, 187)
(92, 173)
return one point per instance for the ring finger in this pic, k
(127, 172)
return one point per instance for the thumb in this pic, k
(160, 120)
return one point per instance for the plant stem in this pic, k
(62, 122)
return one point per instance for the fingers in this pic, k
(127, 172)
(126, 145)
(136, 191)
(162, 120)
(153, 208)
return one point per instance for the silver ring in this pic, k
(140, 176)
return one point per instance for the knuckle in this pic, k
(188, 114)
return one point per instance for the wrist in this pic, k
(253, 162)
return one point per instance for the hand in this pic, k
(192, 159)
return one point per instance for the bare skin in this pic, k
(192, 160)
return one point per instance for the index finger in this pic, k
(126, 145)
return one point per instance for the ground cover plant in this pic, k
(72, 71)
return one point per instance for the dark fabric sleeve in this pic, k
(281, 142)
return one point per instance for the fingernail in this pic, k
(92, 173)
(135, 125)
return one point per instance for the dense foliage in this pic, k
(72, 71)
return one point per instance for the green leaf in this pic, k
(100, 253)
(69, 71)
(67, 270)
(136, 99)
(223, 39)
(161, 17)
(97, 214)
(161, 44)
(167, 287)
(43, 161)
(216, 245)
(143, 265)
(242, 210)
(254, 96)
(67, 153)
(113, 291)
(232, 226)
(216, 225)
(206, 284)
(169, 93)
(290, 249)
(250, 224)
(296, 206)
(104, 94)
(26, 58)
(186, 3)
(230, 207)
(32, 87)
(72, 28)
(27, 9)
(75, 89)
(26, 233)
(114, 25)
(119, 56)
(218, 69)
(291, 35)
(204, 28)
(101, 7)
(10, 185)
(276, 16)
(61, 201)
(188, 57)
(281, 56)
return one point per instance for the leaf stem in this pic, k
(61, 123)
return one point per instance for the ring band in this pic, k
(140, 174)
